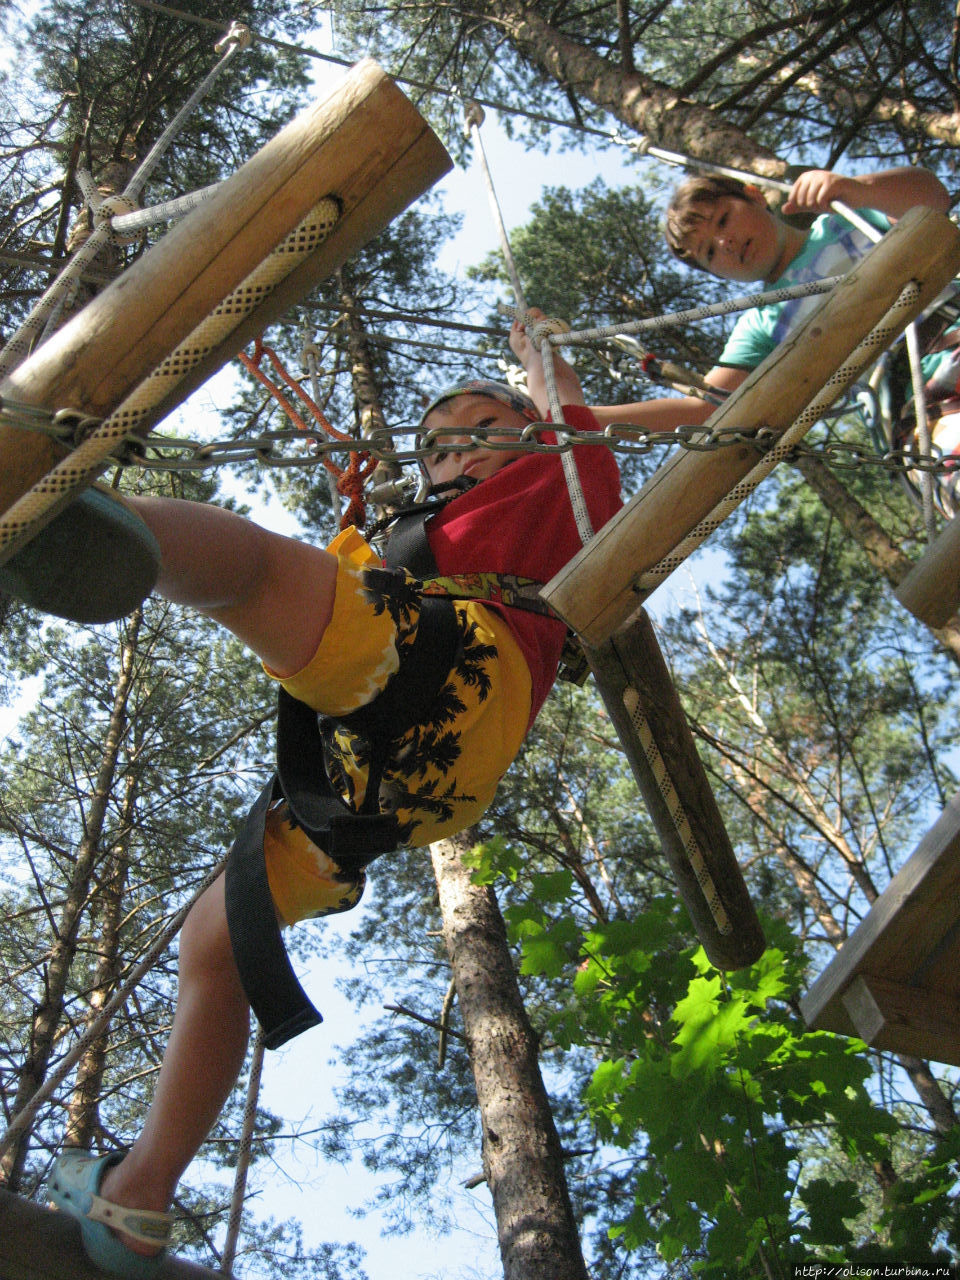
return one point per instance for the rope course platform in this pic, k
(42, 1244)
(895, 983)
(599, 591)
(312, 196)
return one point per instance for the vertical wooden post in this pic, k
(643, 704)
(931, 590)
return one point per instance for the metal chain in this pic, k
(286, 447)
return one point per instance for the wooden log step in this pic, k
(642, 702)
(44, 1244)
(895, 982)
(596, 592)
(364, 145)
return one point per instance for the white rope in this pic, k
(578, 502)
(25, 338)
(236, 40)
(473, 118)
(243, 1155)
(138, 220)
(80, 466)
(587, 337)
(924, 437)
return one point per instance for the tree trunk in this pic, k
(366, 385)
(637, 100)
(930, 1091)
(83, 1113)
(522, 1157)
(50, 1008)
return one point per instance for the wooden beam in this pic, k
(43, 1244)
(365, 144)
(596, 592)
(909, 940)
(901, 1019)
(931, 590)
(641, 699)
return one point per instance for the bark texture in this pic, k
(522, 1157)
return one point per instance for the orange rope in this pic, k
(350, 479)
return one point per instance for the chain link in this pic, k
(289, 447)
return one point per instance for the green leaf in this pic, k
(828, 1204)
(552, 886)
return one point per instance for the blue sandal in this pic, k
(94, 562)
(74, 1187)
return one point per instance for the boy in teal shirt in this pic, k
(725, 227)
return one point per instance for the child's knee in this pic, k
(205, 939)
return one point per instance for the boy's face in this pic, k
(468, 413)
(740, 239)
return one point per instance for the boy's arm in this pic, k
(568, 384)
(662, 414)
(889, 191)
(667, 412)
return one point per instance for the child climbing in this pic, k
(336, 629)
(723, 226)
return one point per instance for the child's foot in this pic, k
(94, 562)
(126, 1242)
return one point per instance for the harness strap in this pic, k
(275, 995)
(407, 545)
(351, 838)
(517, 593)
(492, 588)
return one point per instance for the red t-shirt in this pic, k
(520, 521)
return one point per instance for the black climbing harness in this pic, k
(350, 837)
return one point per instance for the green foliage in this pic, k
(713, 1085)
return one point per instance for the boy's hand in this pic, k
(520, 343)
(568, 384)
(818, 188)
(891, 191)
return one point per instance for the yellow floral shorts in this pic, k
(442, 773)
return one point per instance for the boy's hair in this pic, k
(512, 397)
(687, 209)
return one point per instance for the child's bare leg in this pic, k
(203, 1058)
(274, 593)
